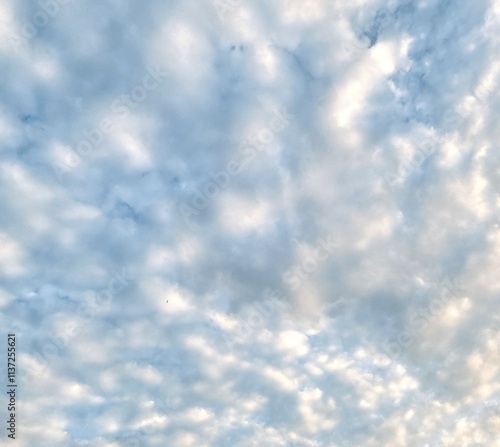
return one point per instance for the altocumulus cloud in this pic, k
(302, 196)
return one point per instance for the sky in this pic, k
(243, 223)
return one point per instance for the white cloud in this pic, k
(140, 325)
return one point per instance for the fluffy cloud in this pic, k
(251, 223)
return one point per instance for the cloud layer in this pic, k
(235, 223)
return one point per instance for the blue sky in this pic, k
(251, 223)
